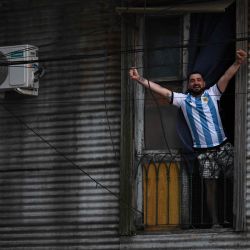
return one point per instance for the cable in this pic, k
(152, 94)
(67, 159)
(127, 68)
(116, 52)
(94, 31)
(168, 5)
(47, 102)
(106, 113)
(106, 110)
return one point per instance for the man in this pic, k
(201, 112)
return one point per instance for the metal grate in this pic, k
(174, 192)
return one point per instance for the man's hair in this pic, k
(194, 72)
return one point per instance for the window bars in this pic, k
(176, 191)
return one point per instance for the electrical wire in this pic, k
(168, 5)
(42, 102)
(67, 159)
(115, 52)
(184, 44)
(77, 57)
(148, 81)
(106, 109)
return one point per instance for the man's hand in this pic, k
(133, 73)
(240, 56)
(232, 70)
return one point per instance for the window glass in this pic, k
(162, 65)
(162, 43)
(160, 121)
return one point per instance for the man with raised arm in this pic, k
(200, 109)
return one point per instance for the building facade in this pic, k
(70, 173)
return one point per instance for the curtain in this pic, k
(211, 52)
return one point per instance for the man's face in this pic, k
(196, 84)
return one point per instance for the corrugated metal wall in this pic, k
(48, 143)
(248, 132)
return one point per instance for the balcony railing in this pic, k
(174, 192)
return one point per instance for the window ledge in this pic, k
(188, 239)
(186, 231)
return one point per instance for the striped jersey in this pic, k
(202, 116)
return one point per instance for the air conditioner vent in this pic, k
(3, 68)
(19, 76)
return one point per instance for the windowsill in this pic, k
(180, 239)
(186, 231)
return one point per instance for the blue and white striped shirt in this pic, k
(202, 116)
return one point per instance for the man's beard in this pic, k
(196, 92)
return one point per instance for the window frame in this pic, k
(139, 95)
(144, 21)
(174, 82)
(134, 140)
(240, 140)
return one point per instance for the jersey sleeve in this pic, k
(215, 91)
(178, 99)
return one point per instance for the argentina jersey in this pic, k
(202, 116)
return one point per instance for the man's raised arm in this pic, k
(231, 71)
(134, 75)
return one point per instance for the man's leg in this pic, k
(212, 202)
(209, 171)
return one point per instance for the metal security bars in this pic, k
(176, 194)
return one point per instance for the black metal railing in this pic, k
(175, 192)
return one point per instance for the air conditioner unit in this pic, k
(15, 74)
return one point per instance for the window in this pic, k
(153, 179)
(163, 65)
(157, 178)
